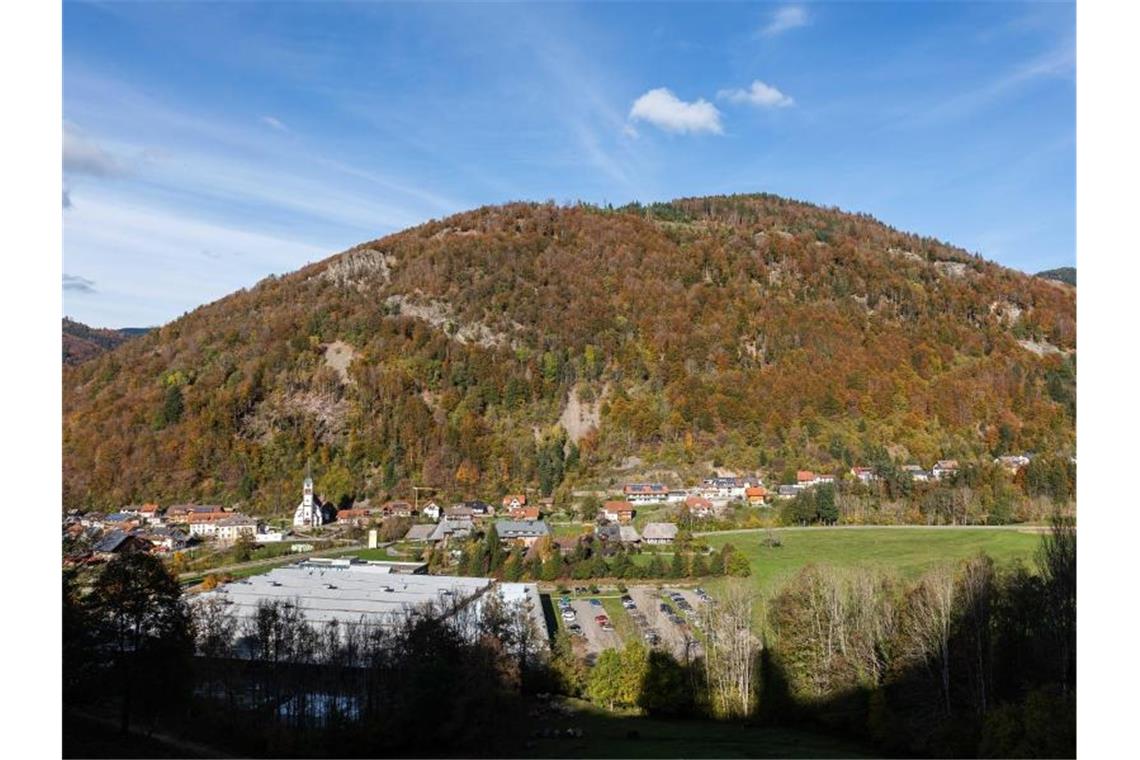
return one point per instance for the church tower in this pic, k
(308, 513)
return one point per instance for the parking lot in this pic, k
(594, 637)
(652, 625)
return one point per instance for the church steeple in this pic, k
(307, 492)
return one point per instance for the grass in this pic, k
(907, 551)
(619, 616)
(608, 735)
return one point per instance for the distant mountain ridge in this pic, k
(535, 346)
(81, 343)
(1067, 275)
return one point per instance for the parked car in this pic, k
(595, 603)
(575, 629)
(629, 604)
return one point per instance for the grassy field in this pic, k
(610, 735)
(910, 551)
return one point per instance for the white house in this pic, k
(645, 493)
(432, 511)
(944, 468)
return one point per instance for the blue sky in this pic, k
(209, 145)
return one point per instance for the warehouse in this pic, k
(353, 591)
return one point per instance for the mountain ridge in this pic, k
(750, 329)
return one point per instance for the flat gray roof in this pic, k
(348, 593)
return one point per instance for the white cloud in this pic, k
(785, 18)
(82, 155)
(759, 94)
(274, 122)
(663, 109)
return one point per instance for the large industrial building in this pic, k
(370, 593)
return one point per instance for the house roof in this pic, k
(520, 497)
(788, 490)
(802, 475)
(420, 532)
(521, 528)
(698, 501)
(111, 542)
(629, 534)
(659, 530)
(644, 488)
(756, 491)
(618, 506)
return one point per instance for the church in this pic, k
(309, 512)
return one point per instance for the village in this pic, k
(520, 519)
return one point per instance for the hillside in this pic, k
(1067, 275)
(81, 343)
(746, 331)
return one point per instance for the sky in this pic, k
(209, 145)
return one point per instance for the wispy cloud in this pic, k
(275, 123)
(759, 94)
(83, 155)
(73, 283)
(661, 108)
(785, 19)
(66, 198)
(1057, 63)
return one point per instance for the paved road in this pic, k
(283, 559)
(1021, 528)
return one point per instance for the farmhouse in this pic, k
(699, 506)
(629, 535)
(523, 513)
(478, 508)
(944, 468)
(182, 512)
(787, 492)
(420, 532)
(618, 511)
(397, 509)
(659, 533)
(447, 529)
(514, 501)
(917, 474)
(864, 474)
(757, 496)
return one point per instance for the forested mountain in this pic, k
(1067, 275)
(538, 345)
(81, 342)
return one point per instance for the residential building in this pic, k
(228, 529)
(118, 542)
(447, 529)
(1012, 463)
(757, 496)
(865, 474)
(514, 501)
(523, 513)
(432, 511)
(787, 492)
(458, 513)
(944, 468)
(645, 493)
(527, 531)
(182, 512)
(916, 473)
(478, 508)
(166, 539)
(397, 509)
(659, 533)
(699, 506)
(618, 511)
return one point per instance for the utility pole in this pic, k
(416, 495)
